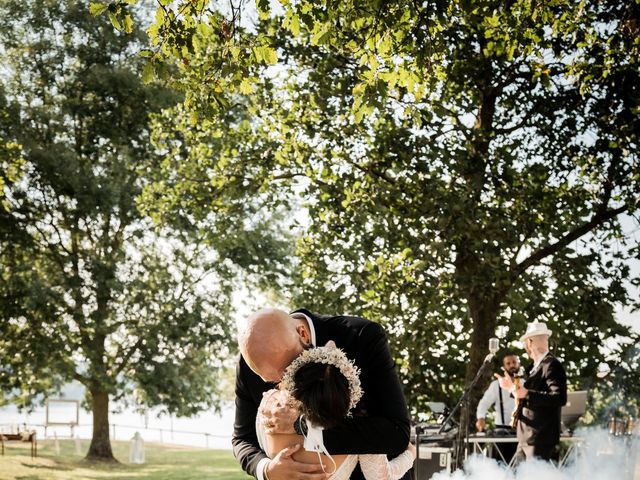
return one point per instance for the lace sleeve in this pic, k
(378, 467)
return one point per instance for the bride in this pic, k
(324, 385)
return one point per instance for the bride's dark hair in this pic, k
(323, 392)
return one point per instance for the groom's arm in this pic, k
(386, 428)
(245, 441)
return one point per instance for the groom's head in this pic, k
(271, 340)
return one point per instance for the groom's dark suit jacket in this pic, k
(540, 420)
(384, 429)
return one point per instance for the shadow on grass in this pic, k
(59, 466)
(178, 465)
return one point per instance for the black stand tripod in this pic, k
(463, 429)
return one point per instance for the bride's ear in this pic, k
(330, 344)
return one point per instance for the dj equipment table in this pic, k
(484, 445)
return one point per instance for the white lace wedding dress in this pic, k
(374, 466)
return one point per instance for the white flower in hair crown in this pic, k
(329, 355)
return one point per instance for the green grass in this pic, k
(162, 463)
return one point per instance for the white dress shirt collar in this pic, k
(537, 364)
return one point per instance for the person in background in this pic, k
(540, 399)
(503, 403)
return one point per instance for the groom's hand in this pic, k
(284, 467)
(277, 412)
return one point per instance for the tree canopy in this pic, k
(463, 168)
(91, 289)
(464, 164)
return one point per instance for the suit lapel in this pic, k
(536, 374)
(544, 361)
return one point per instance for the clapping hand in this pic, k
(506, 382)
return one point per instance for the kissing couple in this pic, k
(318, 397)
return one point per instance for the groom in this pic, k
(269, 344)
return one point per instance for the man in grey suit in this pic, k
(541, 398)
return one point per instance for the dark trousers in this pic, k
(541, 452)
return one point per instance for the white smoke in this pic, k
(599, 456)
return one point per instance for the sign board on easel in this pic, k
(62, 413)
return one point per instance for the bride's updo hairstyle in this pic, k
(323, 392)
(325, 382)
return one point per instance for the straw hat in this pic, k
(534, 329)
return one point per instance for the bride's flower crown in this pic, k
(329, 355)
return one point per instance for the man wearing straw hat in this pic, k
(540, 399)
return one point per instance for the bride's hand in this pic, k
(412, 449)
(277, 412)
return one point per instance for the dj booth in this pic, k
(435, 448)
(430, 460)
(435, 452)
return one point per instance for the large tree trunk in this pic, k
(483, 317)
(100, 448)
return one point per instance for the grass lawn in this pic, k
(162, 463)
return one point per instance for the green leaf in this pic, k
(246, 86)
(266, 54)
(257, 52)
(128, 23)
(149, 72)
(264, 9)
(97, 8)
(321, 36)
(294, 26)
(114, 21)
(235, 52)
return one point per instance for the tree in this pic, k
(616, 393)
(465, 164)
(91, 289)
(10, 161)
(482, 157)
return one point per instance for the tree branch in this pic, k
(535, 258)
(523, 122)
(79, 378)
(372, 171)
(127, 357)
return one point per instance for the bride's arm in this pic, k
(378, 467)
(273, 443)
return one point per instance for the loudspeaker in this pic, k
(430, 461)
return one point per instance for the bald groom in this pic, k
(272, 339)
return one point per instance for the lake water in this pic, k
(208, 429)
